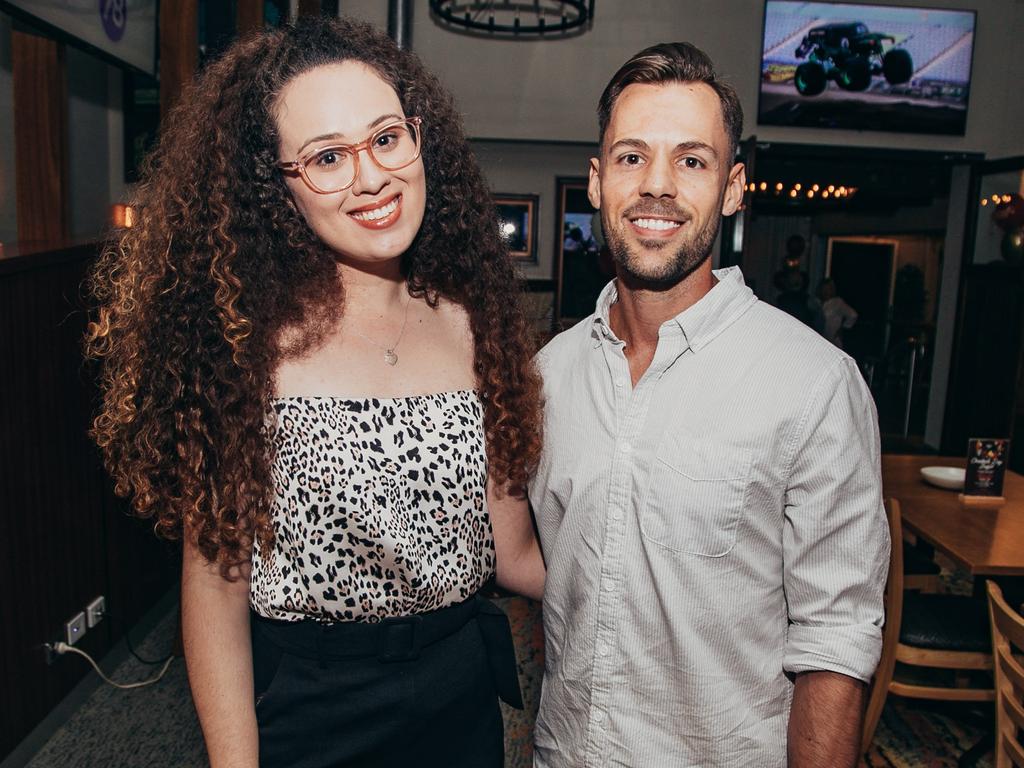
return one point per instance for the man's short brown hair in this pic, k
(673, 63)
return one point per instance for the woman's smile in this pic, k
(379, 215)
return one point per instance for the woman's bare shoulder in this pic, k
(453, 315)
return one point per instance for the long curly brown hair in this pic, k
(194, 299)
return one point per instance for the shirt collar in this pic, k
(601, 327)
(714, 312)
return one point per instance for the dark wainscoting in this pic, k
(64, 537)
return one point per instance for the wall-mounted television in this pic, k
(123, 31)
(866, 67)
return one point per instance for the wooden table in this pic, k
(987, 542)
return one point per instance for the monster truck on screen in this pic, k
(849, 54)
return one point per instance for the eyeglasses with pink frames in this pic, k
(336, 167)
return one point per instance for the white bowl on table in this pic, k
(944, 477)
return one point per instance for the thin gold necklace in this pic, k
(390, 356)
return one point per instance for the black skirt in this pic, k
(417, 691)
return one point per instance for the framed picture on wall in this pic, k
(517, 220)
(581, 267)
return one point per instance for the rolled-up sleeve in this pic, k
(835, 539)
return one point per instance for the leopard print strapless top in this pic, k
(379, 508)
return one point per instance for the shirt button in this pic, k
(618, 382)
(603, 650)
(598, 716)
(616, 513)
(608, 586)
(626, 447)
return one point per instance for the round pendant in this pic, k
(390, 357)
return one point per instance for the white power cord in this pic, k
(62, 647)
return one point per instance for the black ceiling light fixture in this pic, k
(533, 19)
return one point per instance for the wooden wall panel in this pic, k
(248, 16)
(318, 8)
(179, 48)
(64, 538)
(40, 137)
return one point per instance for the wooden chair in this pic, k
(940, 635)
(1008, 650)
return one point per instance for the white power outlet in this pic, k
(74, 628)
(95, 611)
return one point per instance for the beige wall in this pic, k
(549, 89)
(532, 169)
(89, 173)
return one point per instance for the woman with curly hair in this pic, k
(315, 372)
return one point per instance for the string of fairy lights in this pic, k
(995, 199)
(800, 190)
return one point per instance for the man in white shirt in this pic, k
(709, 496)
(839, 316)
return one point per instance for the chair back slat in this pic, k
(1008, 652)
(1014, 711)
(1012, 751)
(1013, 671)
(1011, 625)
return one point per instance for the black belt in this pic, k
(401, 639)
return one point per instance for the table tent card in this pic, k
(986, 468)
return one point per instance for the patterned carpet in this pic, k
(918, 734)
(156, 727)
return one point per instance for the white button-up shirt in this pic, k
(708, 533)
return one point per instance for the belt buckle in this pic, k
(400, 638)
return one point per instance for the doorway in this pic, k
(874, 220)
(862, 269)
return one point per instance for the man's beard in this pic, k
(690, 254)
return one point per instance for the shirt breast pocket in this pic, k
(697, 495)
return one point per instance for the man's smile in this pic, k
(655, 226)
